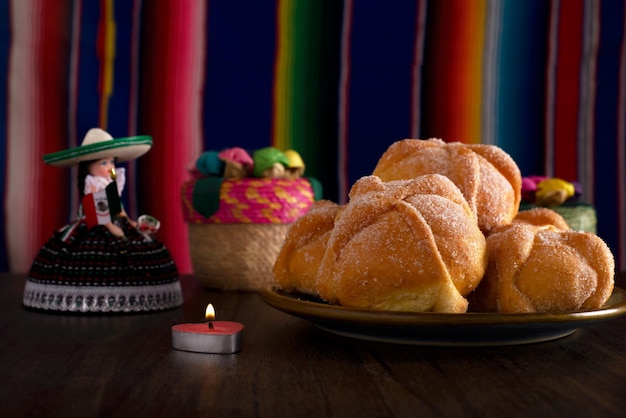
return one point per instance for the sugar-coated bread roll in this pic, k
(408, 245)
(534, 268)
(298, 261)
(486, 175)
(541, 216)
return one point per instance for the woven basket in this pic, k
(579, 218)
(235, 256)
(235, 248)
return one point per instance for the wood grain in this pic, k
(68, 365)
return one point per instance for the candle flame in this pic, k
(113, 173)
(210, 313)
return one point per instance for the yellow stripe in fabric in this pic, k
(283, 76)
(108, 58)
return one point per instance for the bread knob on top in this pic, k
(486, 175)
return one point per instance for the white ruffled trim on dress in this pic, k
(102, 299)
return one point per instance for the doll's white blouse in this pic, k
(98, 183)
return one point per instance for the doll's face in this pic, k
(102, 167)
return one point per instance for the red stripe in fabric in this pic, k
(170, 102)
(567, 89)
(134, 68)
(446, 24)
(54, 56)
(101, 38)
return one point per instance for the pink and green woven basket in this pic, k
(237, 226)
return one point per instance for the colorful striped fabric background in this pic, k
(338, 81)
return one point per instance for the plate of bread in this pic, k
(431, 248)
(442, 329)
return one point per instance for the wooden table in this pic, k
(70, 366)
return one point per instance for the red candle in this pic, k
(220, 337)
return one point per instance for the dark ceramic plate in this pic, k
(441, 329)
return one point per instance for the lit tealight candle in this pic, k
(220, 337)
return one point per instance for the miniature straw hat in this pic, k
(99, 144)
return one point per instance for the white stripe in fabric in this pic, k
(587, 100)
(551, 87)
(23, 135)
(493, 32)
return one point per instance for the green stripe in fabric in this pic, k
(312, 109)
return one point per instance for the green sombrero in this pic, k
(99, 144)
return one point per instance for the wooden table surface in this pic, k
(70, 366)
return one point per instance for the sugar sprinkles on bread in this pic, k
(429, 211)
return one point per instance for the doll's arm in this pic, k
(124, 214)
(115, 230)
